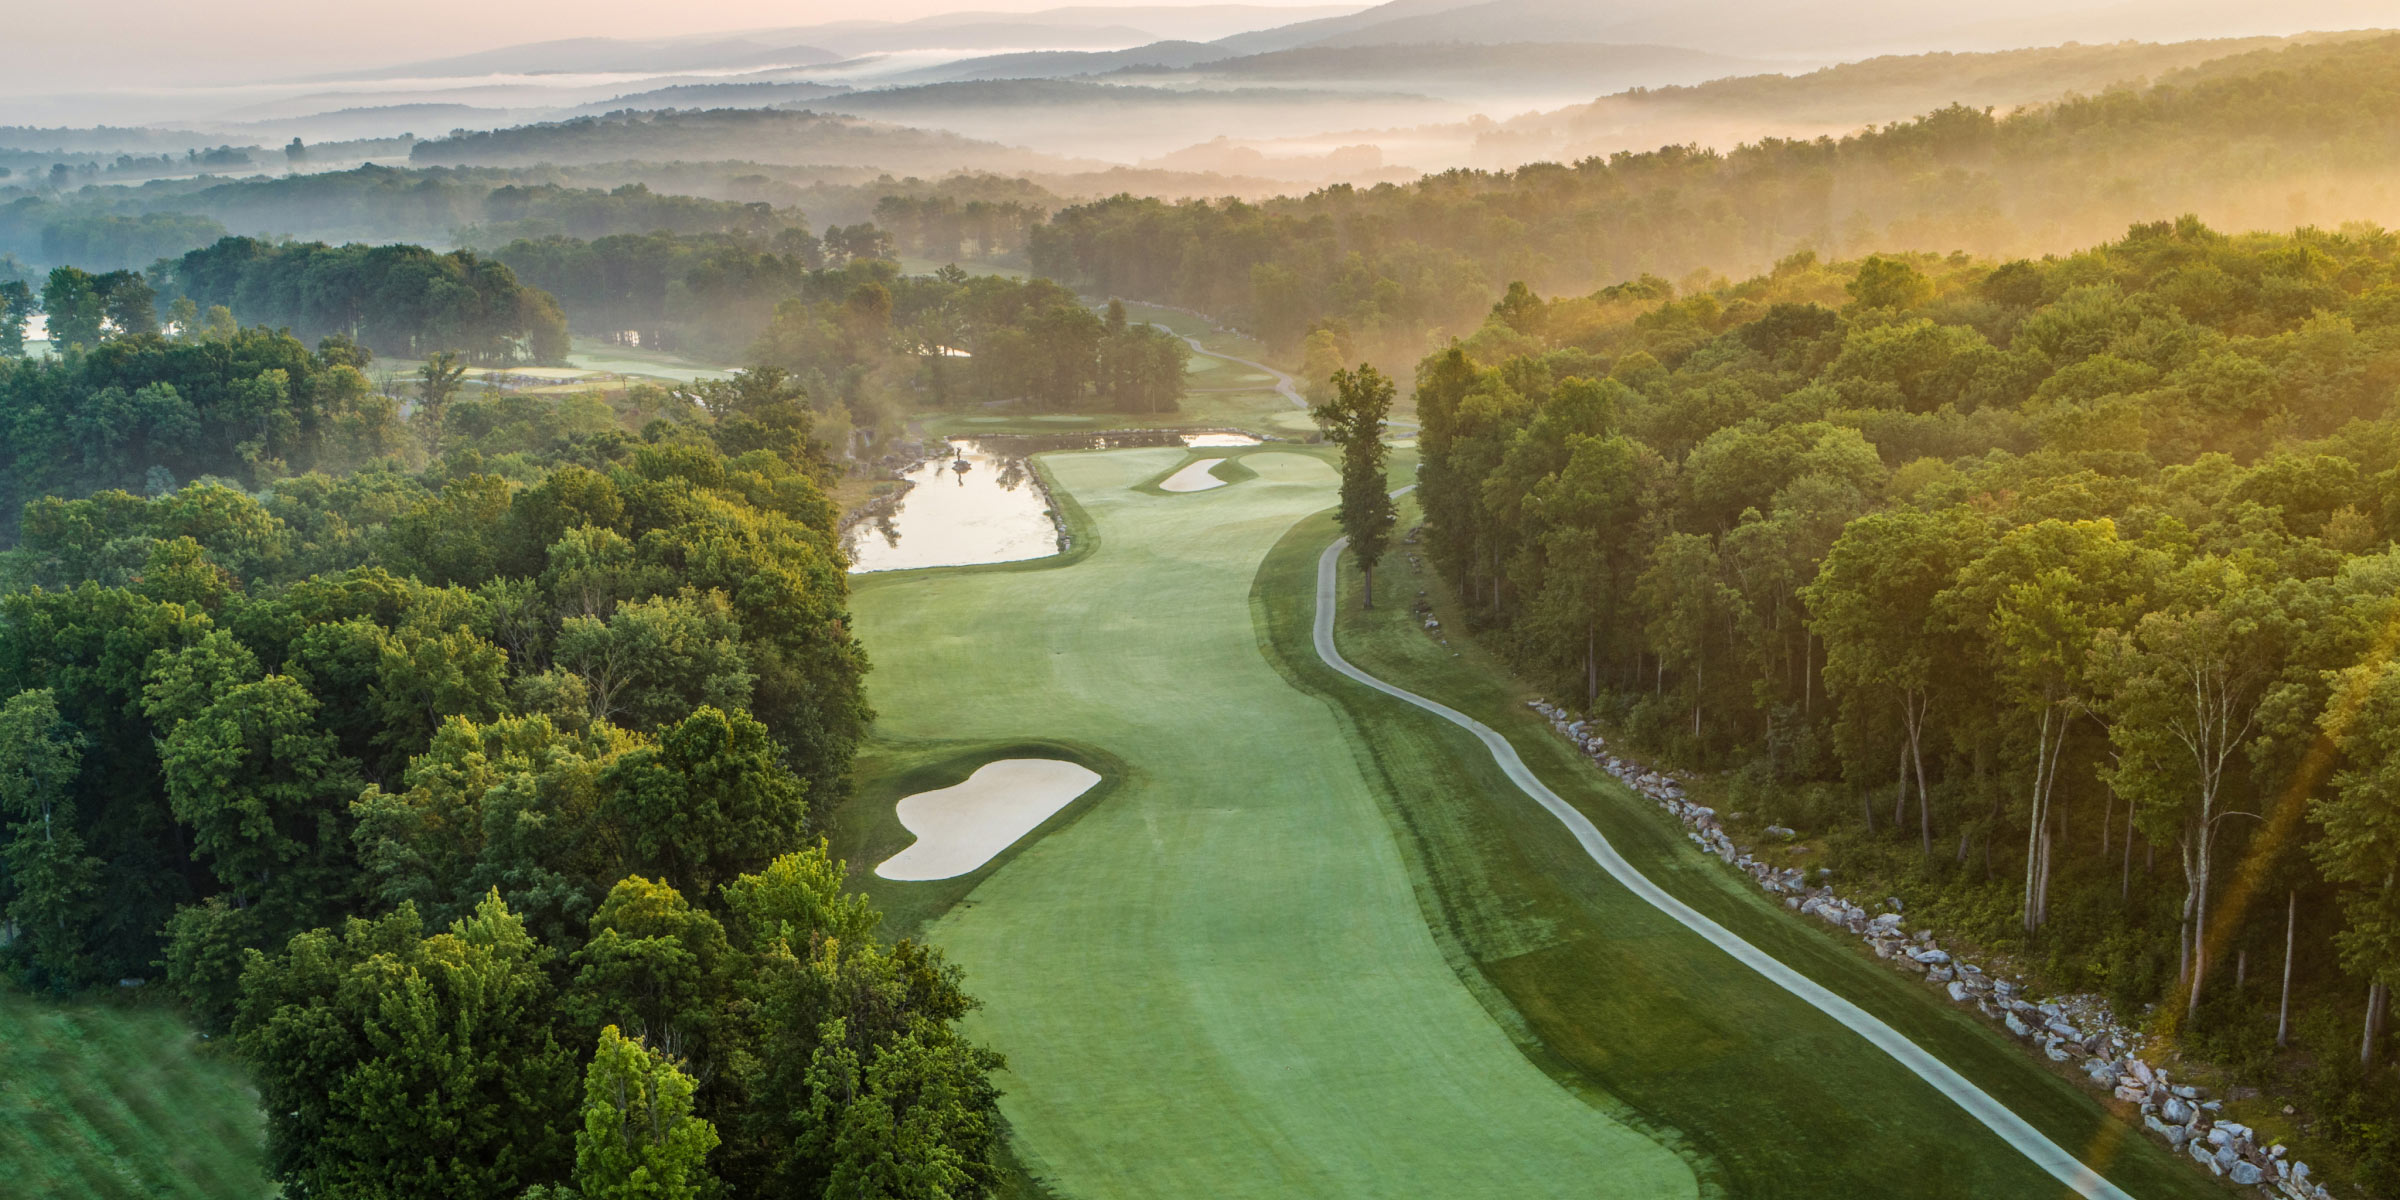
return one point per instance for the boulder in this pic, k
(2244, 1172)
(2017, 1026)
(1958, 991)
(2133, 1093)
(2200, 1154)
(1930, 956)
(2177, 1110)
(2057, 1052)
(1940, 975)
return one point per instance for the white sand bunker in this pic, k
(1204, 441)
(1195, 478)
(961, 827)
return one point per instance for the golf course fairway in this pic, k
(1217, 980)
(1307, 940)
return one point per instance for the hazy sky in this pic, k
(99, 46)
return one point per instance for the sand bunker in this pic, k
(961, 827)
(1204, 441)
(1195, 478)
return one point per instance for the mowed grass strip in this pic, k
(1776, 1098)
(1215, 980)
(120, 1099)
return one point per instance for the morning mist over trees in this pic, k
(1429, 598)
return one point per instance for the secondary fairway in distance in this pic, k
(1217, 981)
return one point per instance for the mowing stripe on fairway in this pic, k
(2003, 1121)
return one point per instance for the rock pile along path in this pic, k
(2002, 1121)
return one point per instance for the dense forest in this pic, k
(475, 802)
(2058, 595)
(2268, 139)
(144, 412)
(402, 300)
(706, 294)
(838, 314)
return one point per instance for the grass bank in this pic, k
(117, 1098)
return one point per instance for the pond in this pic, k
(993, 511)
(971, 504)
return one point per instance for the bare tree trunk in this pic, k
(1916, 753)
(2376, 997)
(2033, 824)
(1866, 802)
(2200, 924)
(2108, 819)
(2241, 967)
(2038, 837)
(1366, 571)
(1900, 796)
(2283, 1012)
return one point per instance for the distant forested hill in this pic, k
(760, 135)
(2275, 139)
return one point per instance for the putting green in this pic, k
(1217, 979)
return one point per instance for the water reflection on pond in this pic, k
(991, 511)
(994, 511)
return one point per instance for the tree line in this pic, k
(143, 412)
(402, 300)
(704, 294)
(2059, 596)
(949, 339)
(2261, 140)
(475, 804)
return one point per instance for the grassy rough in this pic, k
(1773, 1098)
(1215, 979)
(109, 1098)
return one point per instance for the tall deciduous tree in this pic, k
(72, 302)
(1353, 420)
(640, 1137)
(437, 381)
(267, 794)
(2361, 842)
(2182, 690)
(17, 306)
(1873, 602)
(52, 888)
(710, 801)
(391, 1062)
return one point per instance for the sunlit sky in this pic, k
(128, 43)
